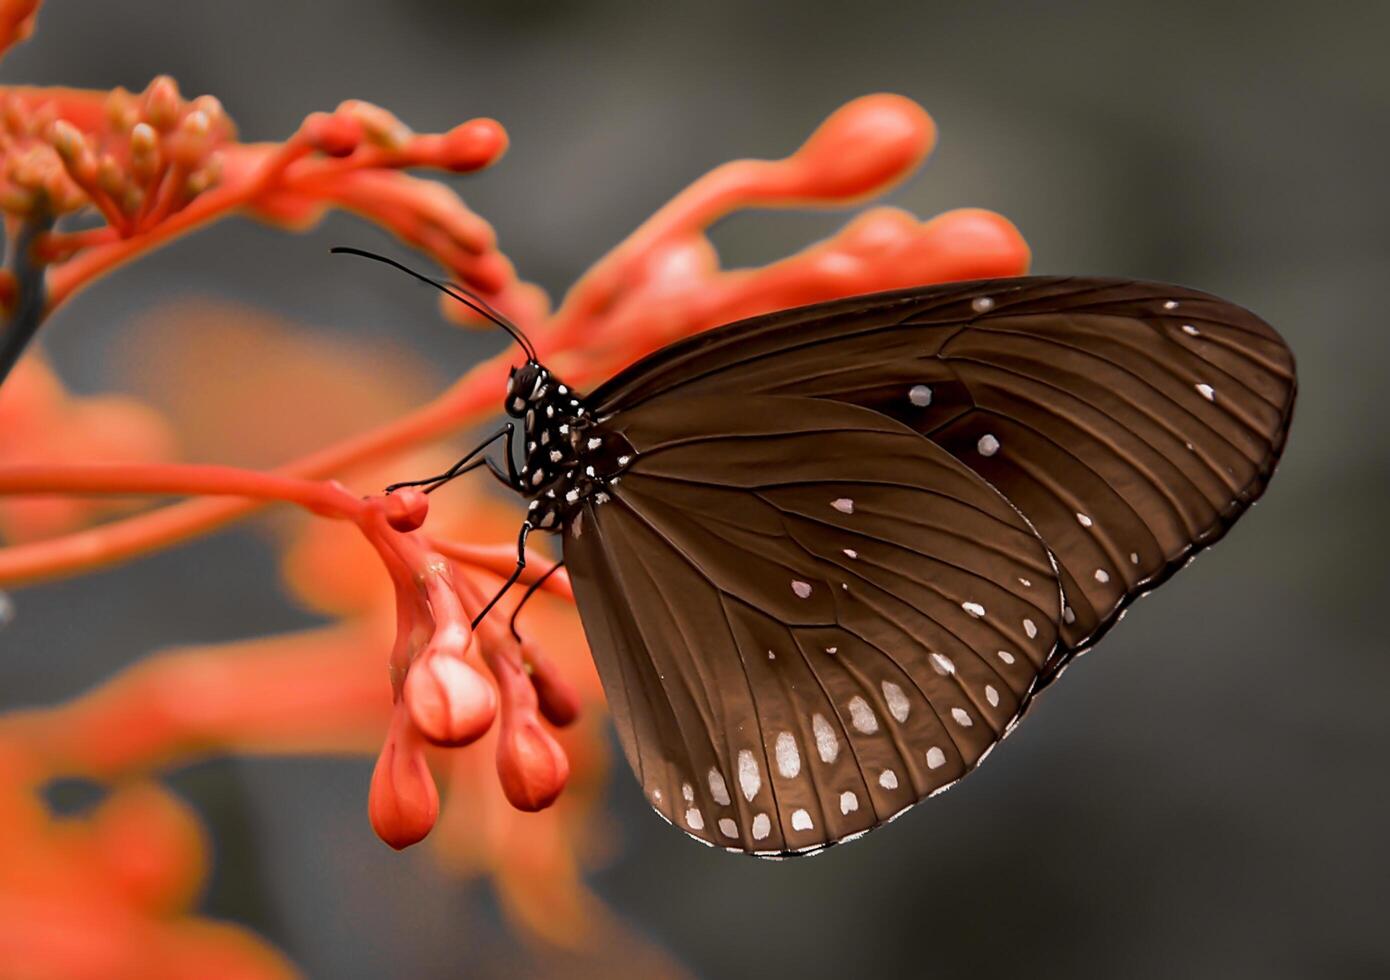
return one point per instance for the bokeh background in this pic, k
(1204, 796)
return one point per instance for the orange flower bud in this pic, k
(162, 103)
(144, 151)
(151, 845)
(406, 509)
(32, 168)
(218, 120)
(449, 701)
(556, 697)
(190, 142)
(863, 146)
(404, 802)
(531, 765)
(472, 145)
(337, 135)
(122, 111)
(110, 177)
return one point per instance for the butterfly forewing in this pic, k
(824, 617)
(1130, 423)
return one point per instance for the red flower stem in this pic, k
(478, 391)
(171, 478)
(168, 196)
(413, 616)
(57, 246)
(500, 559)
(233, 193)
(117, 220)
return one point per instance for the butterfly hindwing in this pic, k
(1131, 423)
(806, 616)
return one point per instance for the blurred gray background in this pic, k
(1204, 796)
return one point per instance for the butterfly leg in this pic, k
(467, 463)
(530, 591)
(516, 573)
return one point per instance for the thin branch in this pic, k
(30, 299)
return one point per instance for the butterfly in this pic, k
(826, 558)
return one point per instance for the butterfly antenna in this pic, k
(464, 295)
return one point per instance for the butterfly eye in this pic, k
(522, 388)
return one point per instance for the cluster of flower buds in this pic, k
(442, 696)
(155, 165)
(137, 160)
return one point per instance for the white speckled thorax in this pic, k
(568, 458)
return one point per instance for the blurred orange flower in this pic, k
(40, 421)
(108, 894)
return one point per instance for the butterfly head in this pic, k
(526, 388)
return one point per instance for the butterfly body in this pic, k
(569, 459)
(825, 558)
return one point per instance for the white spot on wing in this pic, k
(935, 758)
(1207, 392)
(762, 826)
(888, 779)
(802, 589)
(827, 745)
(1102, 576)
(788, 758)
(898, 705)
(973, 608)
(991, 695)
(848, 802)
(1190, 330)
(861, 716)
(801, 820)
(942, 664)
(988, 445)
(728, 828)
(843, 504)
(1083, 520)
(749, 780)
(1171, 304)
(851, 553)
(717, 788)
(694, 820)
(1006, 656)
(982, 304)
(962, 718)
(919, 395)
(1134, 557)
(1030, 628)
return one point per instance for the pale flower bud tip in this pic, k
(450, 702)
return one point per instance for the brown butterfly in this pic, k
(826, 558)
